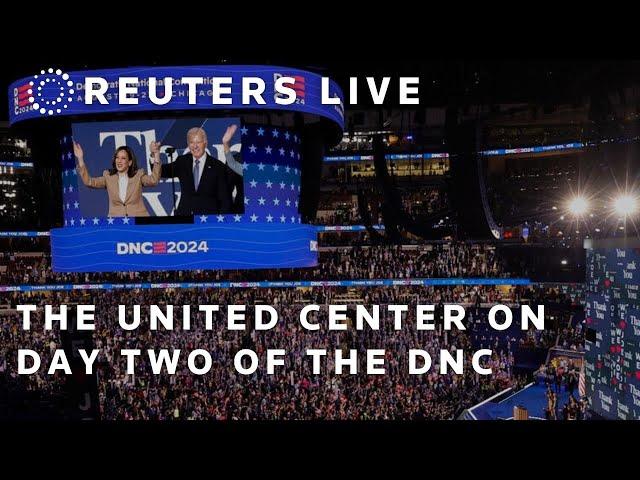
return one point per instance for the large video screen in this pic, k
(175, 167)
(612, 357)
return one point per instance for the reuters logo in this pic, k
(50, 92)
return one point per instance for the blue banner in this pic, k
(51, 93)
(270, 284)
(183, 247)
(17, 164)
(24, 234)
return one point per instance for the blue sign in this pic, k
(183, 247)
(54, 93)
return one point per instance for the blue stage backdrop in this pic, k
(100, 140)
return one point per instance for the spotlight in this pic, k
(625, 205)
(564, 262)
(578, 206)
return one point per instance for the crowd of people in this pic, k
(293, 392)
(439, 260)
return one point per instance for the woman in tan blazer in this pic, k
(124, 181)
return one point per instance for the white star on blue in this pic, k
(203, 219)
(292, 153)
(283, 219)
(253, 183)
(125, 220)
(286, 135)
(245, 166)
(95, 221)
(254, 218)
(261, 200)
(282, 184)
(269, 183)
(244, 130)
(73, 222)
(276, 167)
(288, 202)
(70, 188)
(82, 221)
(269, 218)
(76, 204)
(281, 150)
(276, 201)
(288, 169)
(252, 149)
(110, 221)
(236, 218)
(268, 149)
(246, 200)
(261, 166)
(275, 133)
(220, 218)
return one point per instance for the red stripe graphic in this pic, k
(23, 88)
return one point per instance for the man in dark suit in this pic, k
(205, 182)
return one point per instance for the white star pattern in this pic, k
(269, 183)
(296, 203)
(82, 221)
(260, 132)
(64, 189)
(288, 169)
(275, 133)
(110, 220)
(125, 220)
(292, 153)
(261, 200)
(252, 149)
(288, 202)
(269, 218)
(295, 138)
(245, 166)
(254, 218)
(286, 135)
(281, 150)
(282, 185)
(246, 200)
(261, 166)
(203, 219)
(236, 218)
(95, 221)
(68, 206)
(73, 222)
(293, 219)
(220, 218)
(276, 167)
(276, 201)
(244, 130)
(283, 219)
(293, 186)
(70, 188)
(268, 150)
(253, 183)
(76, 204)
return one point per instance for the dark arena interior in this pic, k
(512, 182)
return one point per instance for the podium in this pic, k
(520, 413)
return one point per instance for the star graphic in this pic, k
(252, 149)
(288, 202)
(70, 188)
(276, 201)
(236, 218)
(283, 219)
(76, 204)
(276, 167)
(286, 135)
(261, 200)
(281, 150)
(293, 186)
(245, 166)
(288, 169)
(203, 219)
(110, 220)
(246, 200)
(254, 218)
(244, 130)
(261, 166)
(82, 221)
(73, 222)
(68, 206)
(253, 183)
(269, 218)
(292, 153)
(293, 219)
(95, 221)
(296, 203)
(269, 183)
(282, 184)
(125, 220)
(260, 132)
(220, 218)
(275, 133)
(268, 150)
